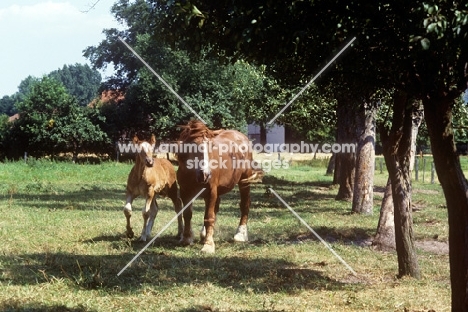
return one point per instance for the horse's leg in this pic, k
(187, 236)
(149, 214)
(177, 207)
(241, 233)
(203, 229)
(128, 214)
(210, 218)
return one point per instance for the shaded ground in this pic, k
(433, 246)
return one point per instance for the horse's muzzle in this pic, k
(149, 162)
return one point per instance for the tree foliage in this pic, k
(80, 80)
(417, 47)
(51, 121)
(460, 121)
(7, 102)
(222, 94)
(7, 105)
(224, 91)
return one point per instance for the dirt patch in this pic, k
(420, 191)
(431, 246)
(435, 247)
(380, 191)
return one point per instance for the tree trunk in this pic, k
(438, 113)
(346, 161)
(331, 165)
(363, 195)
(385, 237)
(336, 173)
(263, 134)
(396, 149)
(75, 152)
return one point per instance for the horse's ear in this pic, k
(153, 139)
(135, 139)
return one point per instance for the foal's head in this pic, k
(145, 150)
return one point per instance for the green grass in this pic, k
(63, 243)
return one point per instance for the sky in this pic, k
(39, 36)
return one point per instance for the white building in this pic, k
(275, 134)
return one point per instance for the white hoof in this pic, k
(142, 238)
(208, 248)
(241, 234)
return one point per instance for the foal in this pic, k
(149, 177)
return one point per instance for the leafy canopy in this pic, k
(53, 122)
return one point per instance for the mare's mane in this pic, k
(196, 130)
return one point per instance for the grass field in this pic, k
(63, 243)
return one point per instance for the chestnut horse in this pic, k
(149, 177)
(219, 172)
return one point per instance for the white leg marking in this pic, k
(208, 248)
(128, 206)
(241, 234)
(203, 234)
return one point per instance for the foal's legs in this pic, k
(149, 214)
(211, 202)
(241, 234)
(128, 214)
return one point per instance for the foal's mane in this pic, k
(195, 130)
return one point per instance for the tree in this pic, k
(385, 235)
(3, 134)
(81, 81)
(76, 132)
(53, 122)
(25, 87)
(396, 149)
(7, 102)
(282, 36)
(363, 193)
(416, 47)
(259, 93)
(345, 163)
(313, 115)
(441, 65)
(384, 238)
(224, 95)
(7, 105)
(460, 124)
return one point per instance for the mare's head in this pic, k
(145, 151)
(193, 154)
